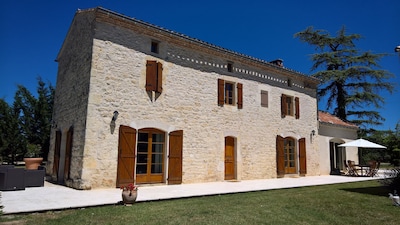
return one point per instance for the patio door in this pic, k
(150, 156)
(290, 155)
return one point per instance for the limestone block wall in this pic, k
(102, 69)
(189, 103)
(71, 98)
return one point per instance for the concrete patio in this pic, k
(56, 197)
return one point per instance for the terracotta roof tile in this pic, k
(325, 117)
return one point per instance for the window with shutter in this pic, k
(227, 94)
(290, 106)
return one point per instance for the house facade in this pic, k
(138, 103)
(331, 133)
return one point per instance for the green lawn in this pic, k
(350, 203)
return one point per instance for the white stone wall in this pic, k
(337, 134)
(189, 103)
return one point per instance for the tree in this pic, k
(350, 79)
(11, 140)
(28, 121)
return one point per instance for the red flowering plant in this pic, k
(129, 187)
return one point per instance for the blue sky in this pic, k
(32, 33)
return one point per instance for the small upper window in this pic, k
(230, 67)
(154, 47)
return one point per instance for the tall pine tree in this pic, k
(350, 79)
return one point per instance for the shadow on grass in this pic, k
(378, 191)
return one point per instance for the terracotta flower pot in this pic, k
(32, 163)
(129, 197)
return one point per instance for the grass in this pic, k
(349, 203)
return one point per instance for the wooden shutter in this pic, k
(221, 90)
(68, 151)
(283, 106)
(159, 77)
(264, 98)
(151, 75)
(126, 156)
(56, 158)
(297, 105)
(280, 156)
(175, 157)
(240, 95)
(302, 156)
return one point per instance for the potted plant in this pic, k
(129, 194)
(32, 157)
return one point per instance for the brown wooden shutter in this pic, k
(126, 156)
(151, 75)
(264, 98)
(221, 94)
(56, 158)
(283, 106)
(302, 156)
(240, 95)
(159, 77)
(280, 156)
(68, 151)
(297, 105)
(175, 157)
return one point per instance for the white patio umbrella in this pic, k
(361, 143)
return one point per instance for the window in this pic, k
(154, 76)
(264, 98)
(154, 47)
(230, 93)
(230, 67)
(290, 108)
(150, 156)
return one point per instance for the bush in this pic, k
(392, 179)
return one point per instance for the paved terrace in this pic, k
(56, 197)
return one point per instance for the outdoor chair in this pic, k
(347, 172)
(352, 168)
(34, 178)
(11, 179)
(374, 171)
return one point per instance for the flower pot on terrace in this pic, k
(32, 163)
(128, 196)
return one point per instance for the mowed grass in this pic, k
(349, 203)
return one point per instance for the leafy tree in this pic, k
(349, 78)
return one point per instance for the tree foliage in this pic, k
(27, 121)
(350, 79)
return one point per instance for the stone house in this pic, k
(332, 132)
(135, 102)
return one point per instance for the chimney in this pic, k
(278, 62)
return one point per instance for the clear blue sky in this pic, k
(32, 33)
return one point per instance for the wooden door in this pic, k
(280, 156)
(68, 152)
(126, 156)
(175, 157)
(56, 158)
(290, 156)
(302, 157)
(150, 156)
(229, 158)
